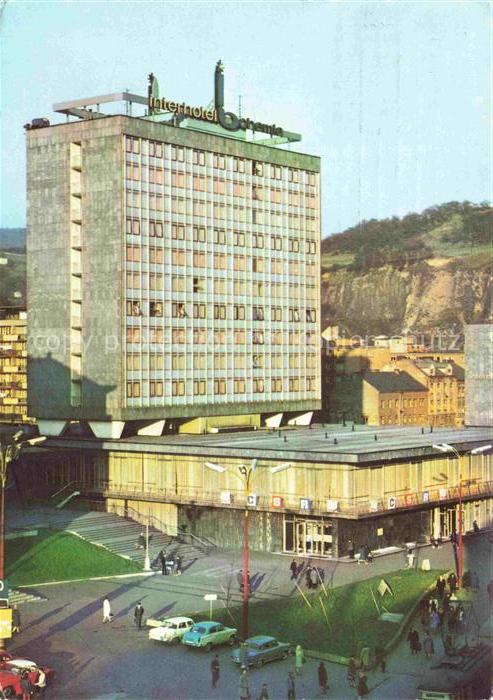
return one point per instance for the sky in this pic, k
(394, 96)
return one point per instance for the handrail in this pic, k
(71, 484)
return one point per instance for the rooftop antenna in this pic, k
(239, 105)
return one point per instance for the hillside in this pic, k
(428, 272)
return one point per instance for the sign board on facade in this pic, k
(426, 496)
(332, 505)
(306, 504)
(277, 502)
(5, 623)
(252, 500)
(373, 506)
(4, 593)
(443, 493)
(226, 497)
(392, 502)
(409, 499)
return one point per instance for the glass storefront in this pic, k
(312, 536)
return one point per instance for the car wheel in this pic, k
(208, 647)
(259, 663)
(175, 640)
(8, 692)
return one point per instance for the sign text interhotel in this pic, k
(228, 120)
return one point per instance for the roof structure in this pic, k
(393, 382)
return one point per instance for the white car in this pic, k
(171, 630)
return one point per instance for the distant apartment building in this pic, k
(479, 375)
(176, 273)
(393, 398)
(13, 385)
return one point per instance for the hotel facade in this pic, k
(173, 276)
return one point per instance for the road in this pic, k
(115, 660)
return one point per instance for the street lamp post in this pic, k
(245, 475)
(445, 447)
(8, 454)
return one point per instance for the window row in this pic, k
(239, 336)
(220, 311)
(155, 361)
(134, 388)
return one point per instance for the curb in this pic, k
(81, 580)
(344, 660)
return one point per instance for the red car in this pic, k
(11, 669)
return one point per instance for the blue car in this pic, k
(260, 650)
(208, 634)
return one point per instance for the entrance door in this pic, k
(308, 536)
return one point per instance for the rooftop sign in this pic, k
(218, 115)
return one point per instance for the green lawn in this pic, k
(351, 614)
(60, 556)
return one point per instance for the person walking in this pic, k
(26, 686)
(264, 692)
(16, 619)
(291, 685)
(323, 678)
(428, 646)
(293, 567)
(138, 615)
(410, 558)
(244, 688)
(414, 643)
(308, 576)
(314, 578)
(452, 582)
(215, 670)
(299, 659)
(380, 656)
(41, 682)
(141, 541)
(107, 614)
(350, 549)
(351, 672)
(434, 621)
(179, 564)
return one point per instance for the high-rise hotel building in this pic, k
(173, 277)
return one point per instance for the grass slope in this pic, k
(350, 620)
(60, 556)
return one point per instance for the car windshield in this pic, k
(199, 629)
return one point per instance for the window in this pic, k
(219, 236)
(219, 161)
(199, 336)
(257, 192)
(133, 227)
(219, 286)
(219, 386)
(257, 361)
(133, 253)
(178, 257)
(133, 308)
(294, 314)
(257, 168)
(294, 245)
(238, 312)
(220, 261)
(133, 334)
(257, 217)
(220, 361)
(294, 338)
(177, 153)
(178, 284)
(311, 178)
(156, 255)
(276, 360)
(275, 172)
(156, 335)
(294, 268)
(239, 362)
(199, 157)
(156, 229)
(276, 243)
(257, 313)
(199, 361)
(199, 259)
(199, 234)
(156, 176)
(178, 388)
(258, 265)
(276, 337)
(177, 205)
(199, 310)
(219, 186)
(311, 315)
(238, 189)
(178, 232)
(258, 337)
(156, 282)
(293, 175)
(276, 313)
(177, 361)
(132, 145)
(311, 246)
(239, 386)
(156, 388)
(156, 308)
(258, 289)
(294, 361)
(199, 387)
(220, 312)
(238, 262)
(156, 362)
(178, 336)
(238, 165)
(276, 266)
(133, 390)
(276, 196)
(276, 385)
(239, 336)
(257, 240)
(198, 284)
(199, 183)
(178, 310)
(219, 337)
(258, 386)
(239, 238)
(294, 384)
(155, 149)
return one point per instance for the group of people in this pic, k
(170, 565)
(314, 575)
(29, 688)
(244, 683)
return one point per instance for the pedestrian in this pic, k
(428, 646)
(452, 582)
(350, 549)
(215, 670)
(351, 672)
(410, 558)
(414, 643)
(244, 688)
(448, 645)
(475, 581)
(440, 586)
(162, 560)
(293, 567)
(41, 682)
(299, 659)
(314, 577)
(107, 614)
(321, 574)
(26, 685)
(291, 686)
(380, 656)
(475, 527)
(178, 565)
(308, 576)
(264, 692)
(362, 685)
(141, 541)
(323, 679)
(434, 621)
(138, 615)
(239, 578)
(16, 619)
(453, 538)
(364, 658)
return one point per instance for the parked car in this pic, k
(260, 650)
(208, 634)
(10, 676)
(171, 630)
